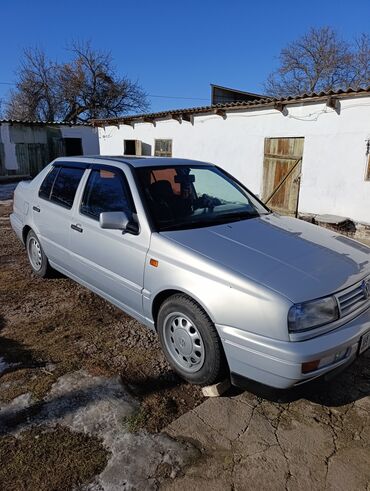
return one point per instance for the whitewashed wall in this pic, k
(9, 148)
(334, 158)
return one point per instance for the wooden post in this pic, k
(177, 117)
(221, 112)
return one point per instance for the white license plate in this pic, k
(365, 342)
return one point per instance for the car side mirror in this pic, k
(114, 220)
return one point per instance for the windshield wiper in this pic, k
(215, 220)
(241, 215)
(185, 224)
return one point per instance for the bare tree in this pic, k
(320, 60)
(83, 88)
(35, 96)
(361, 62)
(90, 89)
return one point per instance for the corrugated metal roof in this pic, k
(40, 123)
(225, 95)
(262, 102)
(238, 91)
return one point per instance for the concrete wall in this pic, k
(20, 143)
(334, 156)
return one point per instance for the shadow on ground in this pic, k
(13, 419)
(15, 354)
(146, 385)
(22, 412)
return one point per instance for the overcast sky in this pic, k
(174, 49)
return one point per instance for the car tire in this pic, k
(36, 256)
(190, 341)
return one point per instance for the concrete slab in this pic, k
(330, 219)
(248, 442)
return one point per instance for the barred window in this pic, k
(163, 148)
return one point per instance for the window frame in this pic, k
(155, 226)
(126, 186)
(65, 143)
(59, 166)
(138, 147)
(161, 154)
(52, 168)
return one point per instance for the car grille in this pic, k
(355, 298)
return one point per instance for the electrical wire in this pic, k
(179, 97)
(149, 95)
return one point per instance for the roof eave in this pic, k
(234, 106)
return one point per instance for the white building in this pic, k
(305, 155)
(27, 146)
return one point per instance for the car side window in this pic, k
(47, 183)
(65, 186)
(106, 190)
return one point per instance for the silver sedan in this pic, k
(182, 246)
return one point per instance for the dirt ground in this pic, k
(315, 437)
(52, 327)
(57, 323)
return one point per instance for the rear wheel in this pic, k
(36, 256)
(190, 341)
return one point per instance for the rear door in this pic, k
(108, 260)
(52, 211)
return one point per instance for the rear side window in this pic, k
(47, 183)
(65, 186)
(106, 190)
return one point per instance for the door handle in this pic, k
(77, 227)
(36, 208)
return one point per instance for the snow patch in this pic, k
(100, 407)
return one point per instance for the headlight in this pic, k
(307, 315)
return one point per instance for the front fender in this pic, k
(227, 297)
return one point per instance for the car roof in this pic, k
(134, 161)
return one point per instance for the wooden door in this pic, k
(282, 166)
(38, 157)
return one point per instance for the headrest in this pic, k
(161, 189)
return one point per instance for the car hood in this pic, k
(294, 258)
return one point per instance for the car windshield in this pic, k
(183, 197)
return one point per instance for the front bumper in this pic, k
(279, 363)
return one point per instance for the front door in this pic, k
(110, 261)
(281, 174)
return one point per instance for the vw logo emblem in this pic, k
(365, 286)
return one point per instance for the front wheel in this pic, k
(190, 341)
(36, 256)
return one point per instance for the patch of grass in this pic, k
(136, 421)
(58, 322)
(22, 380)
(49, 460)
